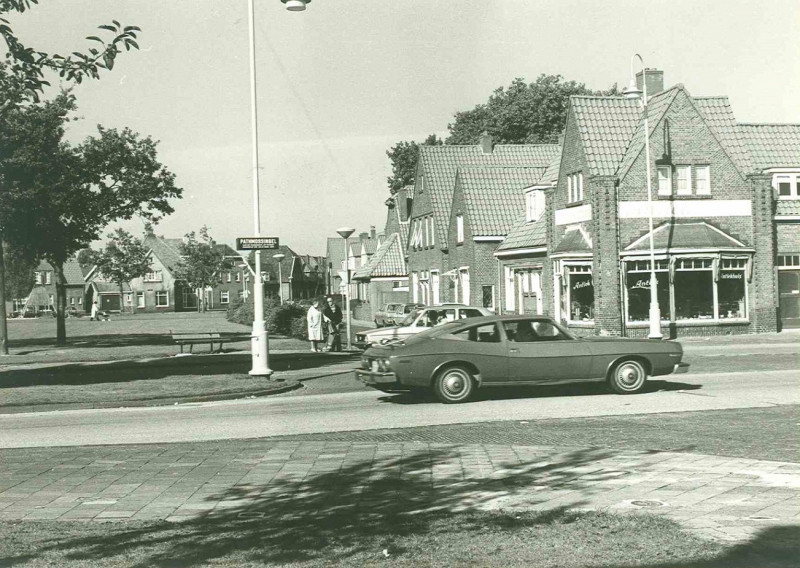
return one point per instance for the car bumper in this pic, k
(680, 368)
(362, 344)
(377, 379)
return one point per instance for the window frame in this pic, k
(705, 187)
(664, 189)
(140, 301)
(793, 179)
(577, 268)
(224, 297)
(459, 229)
(688, 190)
(158, 294)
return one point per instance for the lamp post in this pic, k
(279, 257)
(633, 92)
(258, 340)
(345, 233)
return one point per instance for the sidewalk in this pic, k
(723, 498)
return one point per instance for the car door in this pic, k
(481, 345)
(540, 352)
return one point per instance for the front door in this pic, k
(539, 351)
(789, 289)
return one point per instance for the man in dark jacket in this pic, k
(333, 319)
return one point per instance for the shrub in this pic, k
(287, 319)
(299, 328)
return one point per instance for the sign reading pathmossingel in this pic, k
(257, 243)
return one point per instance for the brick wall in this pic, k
(764, 296)
(788, 238)
(602, 192)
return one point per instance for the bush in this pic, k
(299, 328)
(288, 319)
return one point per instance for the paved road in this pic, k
(367, 410)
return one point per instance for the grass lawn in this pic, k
(480, 539)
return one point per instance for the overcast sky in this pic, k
(343, 81)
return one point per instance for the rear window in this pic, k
(469, 313)
(482, 334)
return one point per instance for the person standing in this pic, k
(333, 319)
(95, 314)
(314, 318)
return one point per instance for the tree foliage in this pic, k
(201, 260)
(124, 258)
(19, 276)
(522, 113)
(403, 156)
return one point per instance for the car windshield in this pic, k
(409, 319)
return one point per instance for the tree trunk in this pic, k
(61, 303)
(198, 293)
(3, 326)
(122, 300)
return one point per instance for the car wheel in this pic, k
(627, 377)
(454, 384)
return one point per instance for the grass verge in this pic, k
(490, 539)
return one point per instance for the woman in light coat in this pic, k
(314, 318)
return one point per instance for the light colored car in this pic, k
(417, 320)
(455, 359)
(393, 314)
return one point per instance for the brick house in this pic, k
(713, 232)
(429, 245)
(357, 254)
(487, 203)
(42, 297)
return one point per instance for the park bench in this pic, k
(191, 339)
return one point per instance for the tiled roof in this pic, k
(404, 234)
(685, 236)
(606, 125)
(110, 287)
(772, 145)
(370, 245)
(550, 175)
(494, 198)
(167, 250)
(440, 165)
(387, 261)
(787, 207)
(573, 241)
(526, 235)
(719, 118)
(335, 250)
(72, 271)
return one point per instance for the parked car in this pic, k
(417, 320)
(392, 314)
(457, 358)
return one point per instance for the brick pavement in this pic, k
(724, 498)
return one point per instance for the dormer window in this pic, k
(575, 187)
(788, 185)
(534, 205)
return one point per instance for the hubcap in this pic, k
(629, 376)
(454, 384)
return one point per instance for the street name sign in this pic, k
(256, 243)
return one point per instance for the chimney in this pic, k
(372, 231)
(363, 236)
(485, 142)
(655, 81)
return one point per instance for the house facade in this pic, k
(42, 297)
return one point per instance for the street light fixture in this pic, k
(259, 340)
(633, 91)
(279, 257)
(345, 233)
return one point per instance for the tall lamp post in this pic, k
(279, 257)
(345, 233)
(258, 340)
(633, 92)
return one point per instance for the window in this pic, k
(533, 331)
(128, 298)
(684, 174)
(702, 178)
(788, 185)
(510, 290)
(154, 276)
(162, 299)
(230, 277)
(238, 276)
(534, 205)
(47, 277)
(433, 234)
(463, 275)
(140, 299)
(465, 313)
(240, 294)
(575, 187)
(224, 297)
(580, 293)
(415, 287)
(637, 279)
(731, 289)
(72, 301)
(40, 277)
(435, 294)
(459, 229)
(789, 261)
(694, 289)
(665, 180)
(431, 318)
(427, 229)
(482, 334)
(487, 297)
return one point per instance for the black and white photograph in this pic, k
(400, 283)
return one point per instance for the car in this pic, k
(392, 314)
(417, 320)
(456, 359)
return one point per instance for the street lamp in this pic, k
(279, 257)
(345, 233)
(633, 92)
(258, 340)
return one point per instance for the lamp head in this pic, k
(295, 5)
(279, 256)
(345, 232)
(632, 91)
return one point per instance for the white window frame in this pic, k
(154, 276)
(48, 277)
(510, 289)
(435, 287)
(415, 287)
(570, 269)
(459, 229)
(140, 303)
(433, 232)
(238, 276)
(794, 185)
(224, 297)
(166, 295)
(702, 184)
(463, 276)
(664, 181)
(687, 187)
(580, 186)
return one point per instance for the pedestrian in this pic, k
(314, 318)
(333, 318)
(95, 314)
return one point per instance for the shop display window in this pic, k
(638, 287)
(694, 289)
(731, 289)
(580, 293)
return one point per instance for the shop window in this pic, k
(580, 293)
(694, 289)
(638, 289)
(731, 289)
(665, 180)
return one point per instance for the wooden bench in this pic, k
(191, 339)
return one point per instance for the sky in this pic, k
(342, 82)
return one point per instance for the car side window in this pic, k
(532, 331)
(469, 313)
(487, 333)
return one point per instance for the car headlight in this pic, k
(384, 365)
(364, 363)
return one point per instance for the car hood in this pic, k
(385, 331)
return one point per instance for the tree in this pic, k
(22, 81)
(58, 198)
(403, 156)
(523, 113)
(201, 262)
(124, 258)
(19, 272)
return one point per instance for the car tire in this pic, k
(628, 377)
(453, 385)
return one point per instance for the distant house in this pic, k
(42, 297)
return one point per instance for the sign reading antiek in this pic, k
(257, 243)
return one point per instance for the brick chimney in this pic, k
(655, 81)
(363, 236)
(372, 231)
(485, 142)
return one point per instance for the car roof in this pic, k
(483, 320)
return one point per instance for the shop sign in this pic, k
(641, 285)
(584, 284)
(731, 275)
